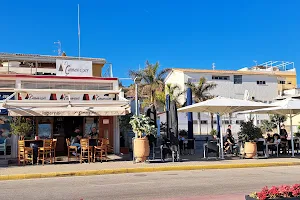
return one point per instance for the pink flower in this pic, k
(285, 190)
(274, 192)
(296, 190)
(263, 195)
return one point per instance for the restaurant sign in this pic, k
(61, 112)
(65, 97)
(74, 68)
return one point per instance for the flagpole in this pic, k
(78, 34)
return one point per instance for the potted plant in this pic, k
(20, 126)
(141, 125)
(284, 192)
(213, 133)
(249, 133)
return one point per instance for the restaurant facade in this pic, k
(70, 96)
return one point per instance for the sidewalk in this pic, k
(116, 167)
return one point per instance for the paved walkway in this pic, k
(128, 166)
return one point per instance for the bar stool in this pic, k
(25, 154)
(86, 150)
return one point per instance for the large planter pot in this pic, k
(247, 197)
(141, 149)
(250, 149)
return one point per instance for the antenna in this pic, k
(255, 62)
(58, 47)
(213, 66)
(78, 34)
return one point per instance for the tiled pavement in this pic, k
(115, 164)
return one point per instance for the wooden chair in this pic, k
(105, 143)
(86, 150)
(99, 151)
(53, 150)
(25, 154)
(71, 149)
(45, 152)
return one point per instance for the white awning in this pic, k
(69, 111)
(69, 107)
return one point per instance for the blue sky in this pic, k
(182, 34)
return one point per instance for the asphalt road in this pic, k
(231, 184)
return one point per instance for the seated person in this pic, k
(269, 138)
(76, 140)
(228, 140)
(276, 138)
(93, 134)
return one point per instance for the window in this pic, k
(289, 82)
(237, 79)
(195, 121)
(220, 78)
(203, 121)
(270, 101)
(192, 80)
(226, 122)
(281, 82)
(261, 82)
(239, 121)
(257, 122)
(215, 121)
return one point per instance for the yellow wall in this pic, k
(290, 82)
(97, 69)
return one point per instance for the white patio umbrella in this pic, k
(288, 106)
(222, 106)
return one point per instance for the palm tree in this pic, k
(152, 80)
(201, 93)
(173, 91)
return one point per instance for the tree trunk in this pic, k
(212, 121)
(199, 122)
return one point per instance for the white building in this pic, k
(263, 83)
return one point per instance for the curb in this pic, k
(143, 169)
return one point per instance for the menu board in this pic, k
(44, 131)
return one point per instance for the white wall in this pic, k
(177, 78)
(227, 88)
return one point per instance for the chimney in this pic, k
(64, 54)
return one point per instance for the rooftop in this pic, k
(238, 72)
(4, 57)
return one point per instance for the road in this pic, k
(230, 184)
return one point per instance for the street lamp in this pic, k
(137, 81)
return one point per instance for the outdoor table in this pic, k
(93, 142)
(34, 144)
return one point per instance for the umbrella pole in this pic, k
(292, 135)
(221, 141)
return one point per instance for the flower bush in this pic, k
(284, 191)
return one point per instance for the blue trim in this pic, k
(190, 114)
